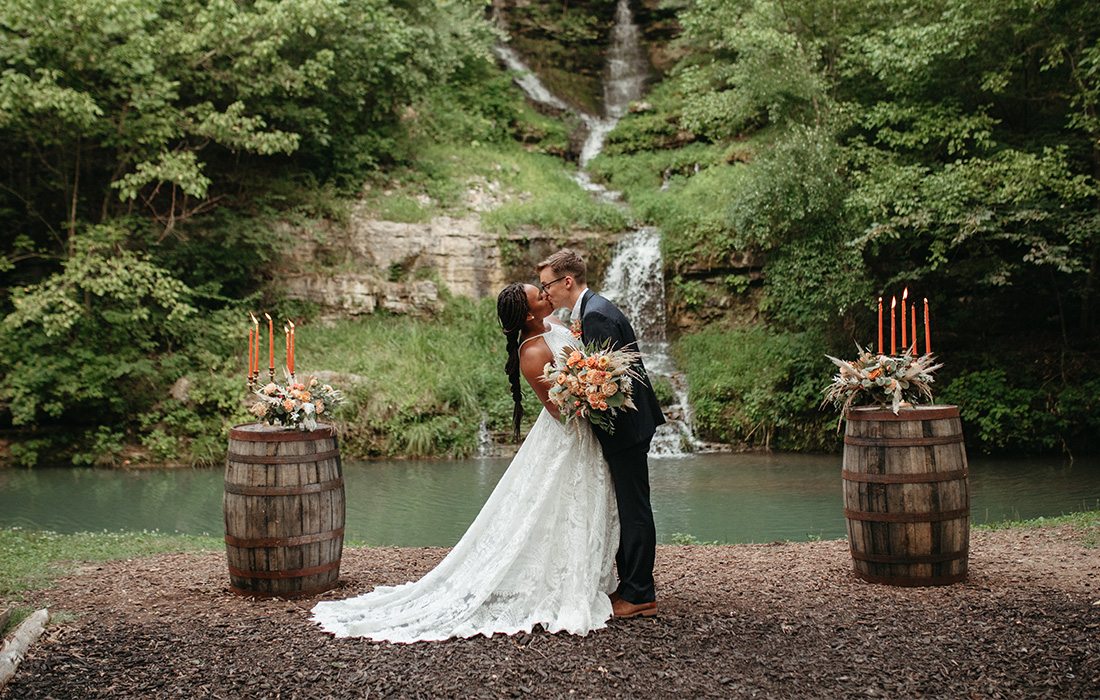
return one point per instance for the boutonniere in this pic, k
(575, 328)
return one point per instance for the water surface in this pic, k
(712, 497)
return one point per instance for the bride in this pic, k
(541, 549)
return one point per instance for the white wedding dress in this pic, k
(539, 552)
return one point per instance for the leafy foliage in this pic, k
(951, 147)
(757, 387)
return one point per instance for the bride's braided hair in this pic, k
(512, 312)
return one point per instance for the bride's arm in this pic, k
(532, 358)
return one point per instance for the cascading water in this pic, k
(635, 277)
(635, 282)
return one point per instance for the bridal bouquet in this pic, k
(881, 379)
(592, 383)
(296, 405)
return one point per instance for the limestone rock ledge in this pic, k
(371, 265)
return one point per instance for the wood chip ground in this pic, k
(770, 621)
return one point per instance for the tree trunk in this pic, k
(16, 648)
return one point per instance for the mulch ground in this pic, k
(770, 621)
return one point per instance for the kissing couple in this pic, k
(574, 499)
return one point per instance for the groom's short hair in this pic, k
(565, 262)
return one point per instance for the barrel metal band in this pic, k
(250, 542)
(863, 441)
(906, 517)
(258, 432)
(910, 558)
(920, 478)
(283, 459)
(915, 414)
(287, 573)
(296, 490)
(304, 593)
(913, 580)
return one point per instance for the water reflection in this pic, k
(726, 498)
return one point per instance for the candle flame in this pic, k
(285, 329)
(905, 294)
(253, 317)
(893, 302)
(267, 316)
(291, 324)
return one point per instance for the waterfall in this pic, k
(528, 81)
(484, 439)
(635, 277)
(635, 281)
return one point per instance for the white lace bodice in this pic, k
(539, 552)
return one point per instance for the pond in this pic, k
(711, 497)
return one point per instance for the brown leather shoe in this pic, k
(623, 609)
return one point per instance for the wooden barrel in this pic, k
(284, 510)
(906, 495)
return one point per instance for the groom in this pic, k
(562, 281)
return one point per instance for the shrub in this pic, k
(756, 386)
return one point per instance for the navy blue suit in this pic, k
(627, 451)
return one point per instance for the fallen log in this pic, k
(4, 617)
(15, 648)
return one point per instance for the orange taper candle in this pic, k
(270, 342)
(904, 297)
(880, 348)
(250, 353)
(927, 330)
(292, 347)
(255, 343)
(913, 320)
(893, 327)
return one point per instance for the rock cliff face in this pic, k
(397, 267)
(373, 265)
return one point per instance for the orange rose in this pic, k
(575, 359)
(288, 405)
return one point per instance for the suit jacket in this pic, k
(602, 321)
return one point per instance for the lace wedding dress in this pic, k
(539, 552)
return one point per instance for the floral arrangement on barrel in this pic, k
(887, 380)
(295, 404)
(592, 383)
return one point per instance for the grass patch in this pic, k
(684, 538)
(757, 386)
(1086, 522)
(516, 187)
(425, 384)
(34, 558)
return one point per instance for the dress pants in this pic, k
(637, 534)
